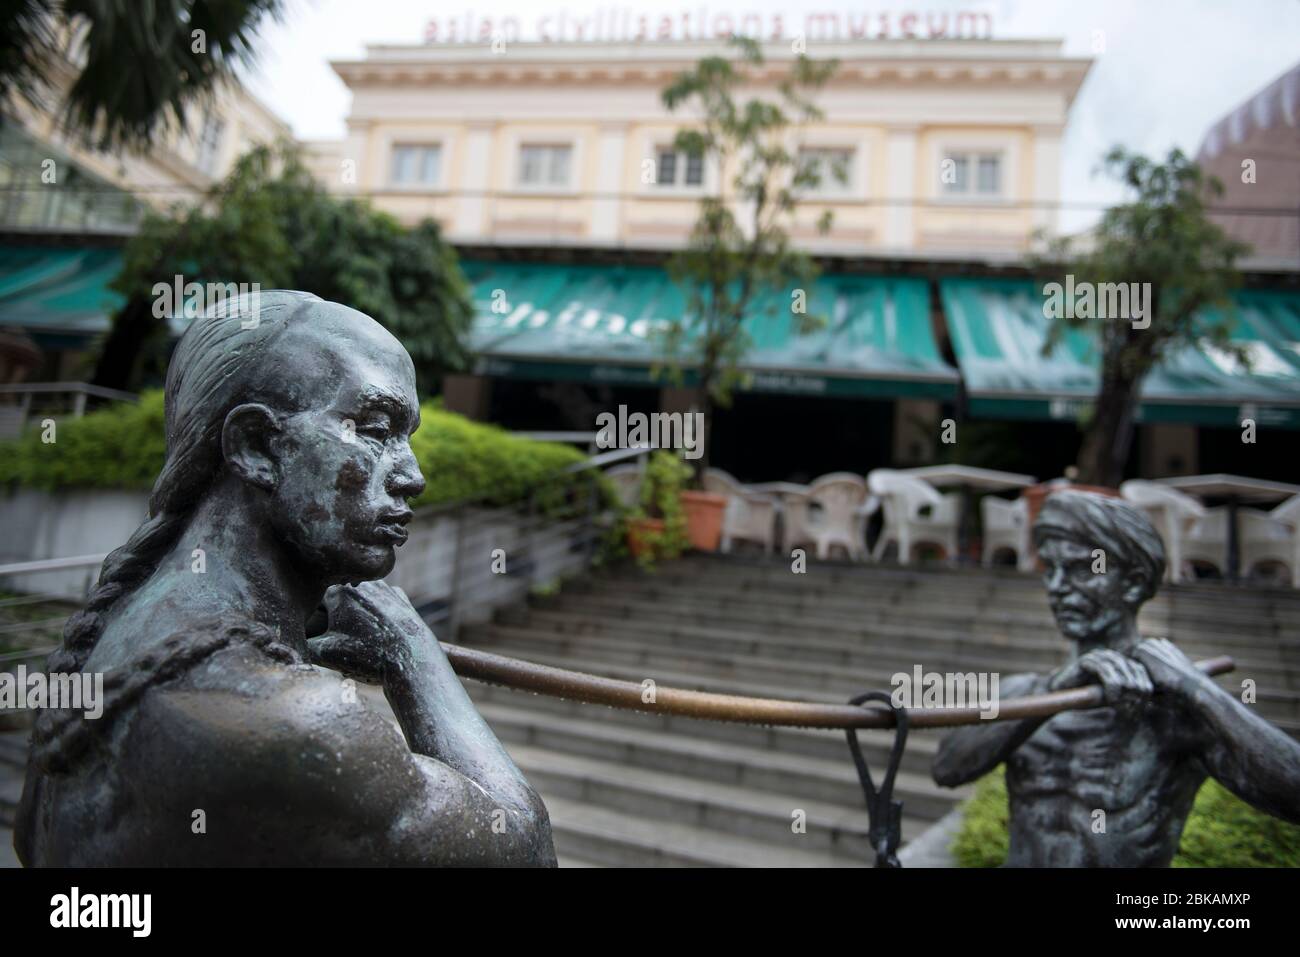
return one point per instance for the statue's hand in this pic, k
(1170, 669)
(1124, 682)
(372, 628)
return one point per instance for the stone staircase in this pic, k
(630, 789)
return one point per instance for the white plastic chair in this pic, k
(1288, 513)
(627, 482)
(1006, 525)
(1204, 540)
(1270, 537)
(832, 513)
(750, 515)
(905, 499)
(1188, 529)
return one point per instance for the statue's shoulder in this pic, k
(240, 676)
(251, 721)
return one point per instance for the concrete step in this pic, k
(936, 651)
(615, 839)
(11, 791)
(839, 645)
(1007, 581)
(13, 748)
(800, 742)
(701, 759)
(1229, 605)
(765, 816)
(793, 675)
(770, 615)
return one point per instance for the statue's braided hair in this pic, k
(213, 369)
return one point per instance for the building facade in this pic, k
(67, 206)
(949, 146)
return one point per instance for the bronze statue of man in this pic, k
(1165, 727)
(223, 740)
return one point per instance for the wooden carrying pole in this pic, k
(594, 689)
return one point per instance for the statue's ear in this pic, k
(248, 442)
(1135, 587)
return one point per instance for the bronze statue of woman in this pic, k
(224, 739)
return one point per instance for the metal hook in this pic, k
(884, 814)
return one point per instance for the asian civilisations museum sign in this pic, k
(618, 24)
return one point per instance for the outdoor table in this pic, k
(968, 478)
(1234, 490)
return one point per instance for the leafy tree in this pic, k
(1162, 237)
(271, 223)
(137, 64)
(725, 267)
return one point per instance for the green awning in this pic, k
(62, 292)
(601, 324)
(998, 329)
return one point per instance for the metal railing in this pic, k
(450, 567)
(23, 401)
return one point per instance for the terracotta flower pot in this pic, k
(638, 532)
(704, 514)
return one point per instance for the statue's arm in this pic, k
(1252, 758)
(440, 721)
(974, 750)
(300, 774)
(376, 634)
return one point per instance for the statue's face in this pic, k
(345, 466)
(1089, 597)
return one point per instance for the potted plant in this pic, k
(704, 512)
(657, 527)
(728, 267)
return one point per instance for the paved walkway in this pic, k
(931, 848)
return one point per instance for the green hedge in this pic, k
(122, 447)
(1221, 831)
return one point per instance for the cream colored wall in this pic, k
(897, 128)
(652, 214)
(956, 223)
(167, 171)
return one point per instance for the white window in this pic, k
(833, 167)
(416, 164)
(544, 164)
(972, 174)
(673, 168)
(210, 143)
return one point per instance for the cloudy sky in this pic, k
(1169, 68)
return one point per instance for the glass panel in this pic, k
(401, 164)
(432, 161)
(987, 176)
(559, 165)
(667, 174)
(958, 180)
(694, 169)
(210, 142)
(530, 164)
